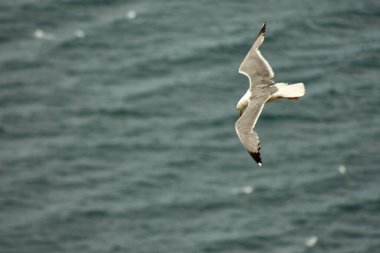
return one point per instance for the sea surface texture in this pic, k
(117, 127)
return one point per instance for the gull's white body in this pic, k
(262, 90)
(297, 90)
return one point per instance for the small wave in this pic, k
(119, 112)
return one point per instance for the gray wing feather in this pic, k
(244, 127)
(254, 65)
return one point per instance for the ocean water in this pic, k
(117, 127)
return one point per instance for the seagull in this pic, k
(262, 89)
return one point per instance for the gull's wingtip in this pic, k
(263, 28)
(256, 156)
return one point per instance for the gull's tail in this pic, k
(290, 91)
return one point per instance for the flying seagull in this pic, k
(262, 89)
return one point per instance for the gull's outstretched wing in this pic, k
(244, 127)
(254, 65)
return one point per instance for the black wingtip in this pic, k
(256, 156)
(263, 29)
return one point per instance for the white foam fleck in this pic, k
(311, 241)
(131, 14)
(247, 189)
(39, 34)
(342, 169)
(80, 34)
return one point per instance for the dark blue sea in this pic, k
(117, 127)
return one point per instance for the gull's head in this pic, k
(241, 106)
(243, 103)
(239, 112)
